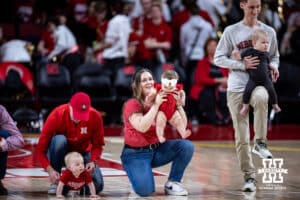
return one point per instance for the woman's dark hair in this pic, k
(136, 81)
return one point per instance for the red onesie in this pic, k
(168, 107)
(74, 183)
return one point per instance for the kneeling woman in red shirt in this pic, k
(142, 150)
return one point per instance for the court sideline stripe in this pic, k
(273, 148)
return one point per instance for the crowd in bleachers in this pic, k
(51, 50)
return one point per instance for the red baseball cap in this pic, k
(81, 103)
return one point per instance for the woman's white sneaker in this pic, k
(175, 188)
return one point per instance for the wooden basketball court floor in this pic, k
(212, 174)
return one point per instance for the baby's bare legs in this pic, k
(161, 121)
(177, 122)
(244, 109)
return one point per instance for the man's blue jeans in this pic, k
(138, 163)
(3, 155)
(56, 153)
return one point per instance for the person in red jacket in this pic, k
(151, 40)
(158, 39)
(208, 91)
(75, 126)
(74, 177)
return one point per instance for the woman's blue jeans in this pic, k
(3, 155)
(138, 163)
(56, 153)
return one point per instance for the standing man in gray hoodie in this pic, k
(238, 37)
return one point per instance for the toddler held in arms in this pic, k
(168, 110)
(260, 74)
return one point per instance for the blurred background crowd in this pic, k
(51, 49)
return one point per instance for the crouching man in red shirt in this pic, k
(75, 126)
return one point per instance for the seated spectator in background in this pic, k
(10, 139)
(101, 19)
(115, 46)
(290, 44)
(159, 38)
(138, 53)
(82, 22)
(141, 23)
(208, 91)
(47, 42)
(92, 11)
(193, 35)
(139, 9)
(65, 49)
(16, 51)
(65, 41)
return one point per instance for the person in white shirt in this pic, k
(65, 49)
(193, 35)
(65, 41)
(116, 37)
